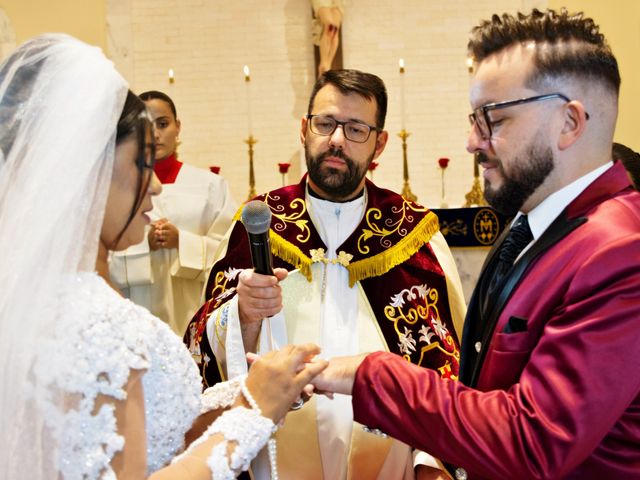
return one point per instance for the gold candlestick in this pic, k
(252, 177)
(475, 195)
(406, 189)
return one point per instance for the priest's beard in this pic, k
(337, 184)
(528, 172)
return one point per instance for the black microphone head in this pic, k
(256, 217)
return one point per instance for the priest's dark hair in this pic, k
(350, 81)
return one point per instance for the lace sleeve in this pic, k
(81, 374)
(241, 431)
(236, 437)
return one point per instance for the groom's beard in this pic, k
(528, 172)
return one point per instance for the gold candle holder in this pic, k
(406, 189)
(252, 176)
(475, 195)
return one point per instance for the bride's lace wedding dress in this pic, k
(93, 386)
(107, 338)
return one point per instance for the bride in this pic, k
(94, 386)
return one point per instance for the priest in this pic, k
(358, 268)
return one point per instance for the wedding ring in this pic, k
(299, 403)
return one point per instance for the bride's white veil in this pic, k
(60, 101)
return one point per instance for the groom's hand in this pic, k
(339, 376)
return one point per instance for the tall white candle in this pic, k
(247, 82)
(402, 106)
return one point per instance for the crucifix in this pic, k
(327, 36)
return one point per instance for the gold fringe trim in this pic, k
(367, 267)
(397, 254)
(290, 253)
(238, 216)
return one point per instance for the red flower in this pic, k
(443, 162)
(214, 169)
(372, 166)
(284, 167)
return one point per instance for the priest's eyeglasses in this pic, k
(355, 131)
(480, 116)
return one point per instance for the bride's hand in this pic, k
(277, 379)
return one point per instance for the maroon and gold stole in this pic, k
(388, 253)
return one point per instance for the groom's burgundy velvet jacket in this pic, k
(559, 395)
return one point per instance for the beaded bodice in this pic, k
(99, 339)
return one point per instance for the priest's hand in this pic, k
(259, 296)
(339, 375)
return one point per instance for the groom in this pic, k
(550, 371)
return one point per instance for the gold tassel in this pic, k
(290, 254)
(285, 250)
(399, 253)
(238, 216)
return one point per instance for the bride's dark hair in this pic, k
(134, 121)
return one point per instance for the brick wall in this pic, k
(207, 43)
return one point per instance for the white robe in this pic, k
(339, 319)
(169, 282)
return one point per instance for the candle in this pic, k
(402, 112)
(171, 79)
(476, 171)
(470, 64)
(247, 82)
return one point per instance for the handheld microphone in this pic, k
(256, 218)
